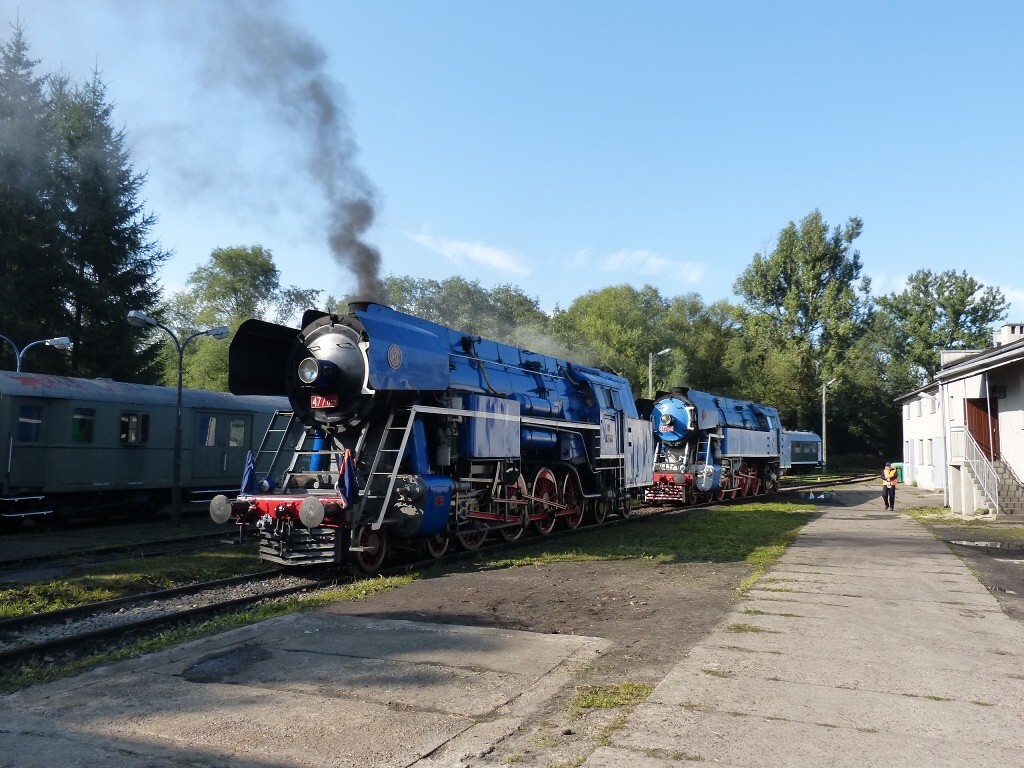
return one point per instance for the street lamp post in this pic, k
(140, 319)
(824, 441)
(60, 342)
(650, 370)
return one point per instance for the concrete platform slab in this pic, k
(868, 644)
(751, 740)
(312, 689)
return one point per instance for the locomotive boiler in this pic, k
(405, 433)
(709, 447)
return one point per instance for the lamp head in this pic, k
(220, 332)
(140, 319)
(62, 343)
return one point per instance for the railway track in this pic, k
(106, 553)
(63, 635)
(82, 630)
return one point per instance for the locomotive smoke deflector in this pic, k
(258, 353)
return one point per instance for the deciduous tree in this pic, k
(503, 313)
(706, 345)
(617, 328)
(234, 285)
(804, 309)
(938, 311)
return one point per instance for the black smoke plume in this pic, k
(284, 68)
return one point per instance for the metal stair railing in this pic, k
(983, 470)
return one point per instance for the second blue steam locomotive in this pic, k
(711, 447)
(405, 433)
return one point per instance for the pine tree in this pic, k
(30, 309)
(110, 264)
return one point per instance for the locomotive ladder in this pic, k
(273, 442)
(704, 449)
(386, 462)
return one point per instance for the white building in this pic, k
(963, 434)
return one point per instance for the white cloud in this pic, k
(642, 262)
(460, 252)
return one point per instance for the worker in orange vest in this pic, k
(889, 485)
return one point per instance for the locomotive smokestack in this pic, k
(273, 61)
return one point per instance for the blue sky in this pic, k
(567, 146)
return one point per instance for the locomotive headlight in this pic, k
(319, 372)
(666, 418)
(309, 370)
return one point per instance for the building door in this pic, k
(982, 426)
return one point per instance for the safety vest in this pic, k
(889, 476)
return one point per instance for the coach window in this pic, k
(83, 421)
(236, 435)
(134, 428)
(30, 424)
(208, 431)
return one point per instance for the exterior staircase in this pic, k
(1011, 491)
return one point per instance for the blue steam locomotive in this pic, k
(710, 447)
(406, 433)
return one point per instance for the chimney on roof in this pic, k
(1008, 334)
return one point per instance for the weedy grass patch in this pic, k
(609, 696)
(952, 525)
(746, 628)
(124, 579)
(756, 533)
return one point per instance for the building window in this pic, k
(83, 421)
(236, 436)
(134, 428)
(30, 424)
(920, 451)
(906, 412)
(929, 456)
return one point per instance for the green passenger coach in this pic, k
(71, 446)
